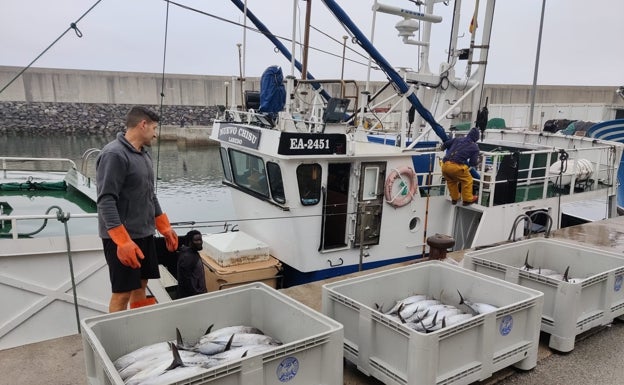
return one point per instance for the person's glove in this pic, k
(127, 251)
(164, 227)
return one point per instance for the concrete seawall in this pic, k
(189, 136)
(45, 101)
(81, 86)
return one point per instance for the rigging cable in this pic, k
(276, 36)
(162, 95)
(73, 26)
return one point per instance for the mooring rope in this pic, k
(162, 96)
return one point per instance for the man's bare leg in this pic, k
(119, 301)
(139, 294)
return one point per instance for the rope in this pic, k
(73, 26)
(277, 36)
(162, 96)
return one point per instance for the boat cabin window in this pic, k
(249, 172)
(275, 182)
(225, 163)
(309, 182)
(371, 183)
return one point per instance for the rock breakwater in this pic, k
(54, 119)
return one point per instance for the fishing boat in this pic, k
(328, 192)
(330, 197)
(53, 271)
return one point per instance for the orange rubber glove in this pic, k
(164, 227)
(127, 251)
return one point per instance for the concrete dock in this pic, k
(596, 358)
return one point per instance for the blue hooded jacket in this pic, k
(463, 150)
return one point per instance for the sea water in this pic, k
(188, 182)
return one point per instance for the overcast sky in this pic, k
(581, 44)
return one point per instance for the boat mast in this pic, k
(278, 44)
(243, 54)
(306, 39)
(392, 74)
(537, 56)
(478, 78)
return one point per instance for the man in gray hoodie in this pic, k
(128, 211)
(462, 153)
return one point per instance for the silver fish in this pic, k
(241, 352)
(140, 354)
(155, 368)
(406, 301)
(476, 307)
(146, 351)
(526, 265)
(542, 271)
(409, 310)
(227, 331)
(218, 345)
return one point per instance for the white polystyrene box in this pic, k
(570, 308)
(235, 248)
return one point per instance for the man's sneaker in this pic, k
(475, 199)
(454, 201)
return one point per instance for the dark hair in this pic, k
(189, 236)
(138, 113)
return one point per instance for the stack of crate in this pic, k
(235, 258)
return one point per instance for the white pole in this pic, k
(294, 39)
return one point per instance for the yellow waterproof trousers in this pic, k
(455, 174)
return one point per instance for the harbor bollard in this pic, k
(438, 244)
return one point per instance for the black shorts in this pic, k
(124, 278)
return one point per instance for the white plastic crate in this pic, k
(460, 354)
(569, 308)
(312, 343)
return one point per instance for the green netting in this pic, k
(496, 123)
(16, 186)
(464, 126)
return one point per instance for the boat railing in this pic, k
(536, 178)
(583, 169)
(9, 224)
(84, 167)
(10, 163)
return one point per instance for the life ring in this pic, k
(408, 178)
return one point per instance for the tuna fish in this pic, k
(227, 331)
(405, 302)
(476, 307)
(164, 363)
(526, 265)
(141, 354)
(218, 345)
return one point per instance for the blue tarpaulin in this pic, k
(272, 91)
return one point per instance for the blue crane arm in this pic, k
(385, 66)
(279, 45)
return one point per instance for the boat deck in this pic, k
(596, 358)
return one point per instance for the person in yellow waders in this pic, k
(461, 154)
